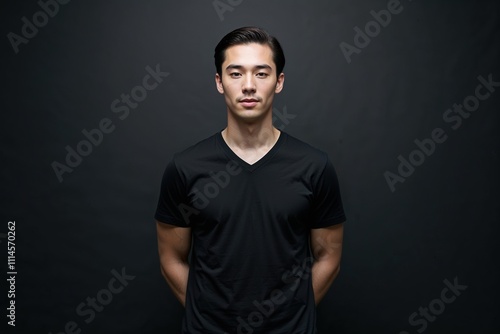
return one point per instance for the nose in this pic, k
(248, 84)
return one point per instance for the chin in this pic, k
(249, 114)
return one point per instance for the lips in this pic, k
(249, 102)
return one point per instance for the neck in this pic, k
(250, 135)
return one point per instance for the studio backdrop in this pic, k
(98, 95)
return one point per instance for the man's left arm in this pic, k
(326, 246)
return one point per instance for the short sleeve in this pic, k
(172, 201)
(327, 208)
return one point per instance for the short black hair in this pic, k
(247, 35)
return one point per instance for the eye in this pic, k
(262, 75)
(234, 74)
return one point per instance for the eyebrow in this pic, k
(239, 67)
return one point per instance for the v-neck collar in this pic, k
(251, 167)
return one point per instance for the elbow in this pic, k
(336, 271)
(331, 269)
(163, 272)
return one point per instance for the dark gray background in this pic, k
(441, 223)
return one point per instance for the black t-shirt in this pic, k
(251, 261)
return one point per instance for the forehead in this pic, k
(249, 54)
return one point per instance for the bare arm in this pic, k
(326, 245)
(173, 247)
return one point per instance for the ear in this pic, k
(218, 83)
(279, 83)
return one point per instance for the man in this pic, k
(259, 210)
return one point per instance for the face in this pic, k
(249, 81)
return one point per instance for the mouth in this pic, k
(249, 102)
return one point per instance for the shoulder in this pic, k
(301, 150)
(197, 159)
(198, 151)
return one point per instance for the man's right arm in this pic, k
(174, 244)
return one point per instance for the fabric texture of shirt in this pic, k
(250, 261)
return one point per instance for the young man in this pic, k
(259, 210)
